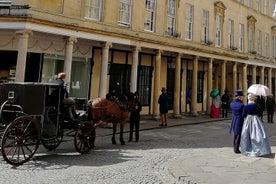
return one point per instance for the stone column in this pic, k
(235, 77)
(244, 81)
(68, 56)
(134, 69)
(254, 74)
(176, 100)
(262, 75)
(194, 86)
(104, 66)
(184, 87)
(223, 76)
(269, 78)
(209, 83)
(22, 49)
(157, 74)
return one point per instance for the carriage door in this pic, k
(170, 81)
(120, 77)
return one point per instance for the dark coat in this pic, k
(270, 104)
(163, 103)
(251, 109)
(237, 119)
(135, 111)
(64, 92)
(225, 99)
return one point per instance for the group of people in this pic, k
(250, 136)
(219, 103)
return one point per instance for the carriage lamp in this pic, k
(11, 96)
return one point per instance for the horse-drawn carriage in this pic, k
(34, 113)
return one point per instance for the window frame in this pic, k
(219, 32)
(189, 22)
(125, 13)
(88, 8)
(205, 26)
(171, 18)
(259, 42)
(241, 37)
(231, 34)
(150, 19)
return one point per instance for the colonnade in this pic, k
(22, 47)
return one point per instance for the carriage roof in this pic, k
(31, 96)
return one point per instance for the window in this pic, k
(251, 39)
(241, 37)
(125, 12)
(259, 42)
(274, 46)
(267, 53)
(241, 1)
(205, 27)
(79, 86)
(258, 5)
(150, 15)
(189, 22)
(250, 4)
(218, 30)
(265, 7)
(171, 18)
(93, 9)
(144, 84)
(231, 34)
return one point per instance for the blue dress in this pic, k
(254, 138)
(237, 120)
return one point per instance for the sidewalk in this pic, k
(214, 165)
(147, 122)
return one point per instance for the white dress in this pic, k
(254, 138)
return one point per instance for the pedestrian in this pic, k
(254, 138)
(237, 121)
(163, 107)
(189, 99)
(270, 107)
(225, 101)
(215, 106)
(261, 104)
(134, 119)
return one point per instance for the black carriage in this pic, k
(34, 113)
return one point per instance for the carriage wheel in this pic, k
(53, 143)
(20, 140)
(85, 137)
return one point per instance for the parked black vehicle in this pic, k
(33, 113)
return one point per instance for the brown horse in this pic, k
(114, 112)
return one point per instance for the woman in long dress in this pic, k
(254, 138)
(215, 107)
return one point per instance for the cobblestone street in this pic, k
(159, 158)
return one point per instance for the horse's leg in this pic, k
(122, 124)
(114, 125)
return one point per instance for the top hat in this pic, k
(239, 93)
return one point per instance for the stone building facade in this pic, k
(141, 45)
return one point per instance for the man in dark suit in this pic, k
(237, 120)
